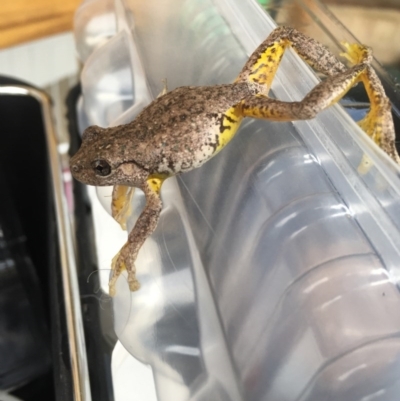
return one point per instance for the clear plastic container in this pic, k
(94, 24)
(273, 272)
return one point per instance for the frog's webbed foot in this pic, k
(356, 53)
(144, 227)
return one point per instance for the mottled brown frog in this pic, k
(182, 129)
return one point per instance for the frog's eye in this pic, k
(101, 167)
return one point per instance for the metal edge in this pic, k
(76, 339)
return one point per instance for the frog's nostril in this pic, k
(75, 168)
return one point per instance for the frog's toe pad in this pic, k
(117, 266)
(134, 285)
(356, 53)
(365, 165)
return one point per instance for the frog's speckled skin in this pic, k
(184, 128)
(179, 132)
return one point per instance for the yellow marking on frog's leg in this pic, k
(116, 270)
(144, 227)
(356, 53)
(121, 206)
(155, 182)
(230, 122)
(378, 123)
(322, 96)
(264, 62)
(263, 70)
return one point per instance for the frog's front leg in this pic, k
(144, 227)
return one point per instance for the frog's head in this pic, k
(100, 161)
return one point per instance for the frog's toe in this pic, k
(365, 165)
(134, 284)
(124, 261)
(117, 266)
(111, 289)
(111, 284)
(356, 53)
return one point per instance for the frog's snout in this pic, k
(75, 166)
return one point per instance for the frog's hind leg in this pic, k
(262, 65)
(322, 96)
(378, 122)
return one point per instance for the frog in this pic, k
(184, 128)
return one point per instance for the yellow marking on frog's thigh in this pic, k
(230, 123)
(353, 81)
(263, 70)
(319, 98)
(155, 182)
(372, 122)
(121, 204)
(378, 123)
(372, 126)
(266, 108)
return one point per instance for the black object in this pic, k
(29, 244)
(31, 298)
(23, 331)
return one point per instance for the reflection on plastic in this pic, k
(94, 24)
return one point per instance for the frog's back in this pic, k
(180, 130)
